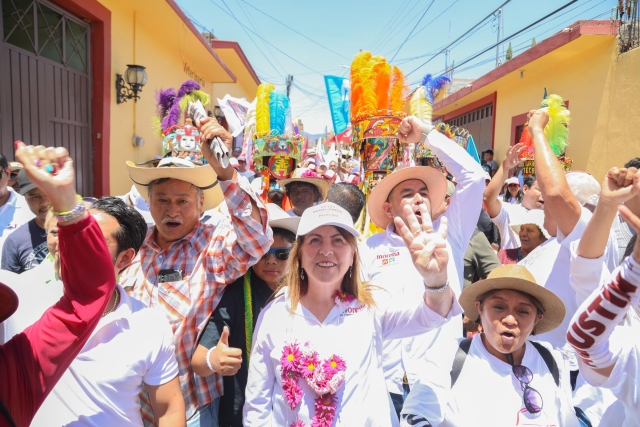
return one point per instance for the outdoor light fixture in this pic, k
(217, 113)
(136, 78)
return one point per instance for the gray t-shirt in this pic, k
(24, 248)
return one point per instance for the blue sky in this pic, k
(321, 37)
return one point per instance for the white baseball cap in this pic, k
(512, 180)
(326, 214)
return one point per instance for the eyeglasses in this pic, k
(530, 396)
(12, 175)
(281, 254)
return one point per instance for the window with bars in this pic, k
(40, 28)
(479, 114)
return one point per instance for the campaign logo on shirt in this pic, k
(388, 259)
(350, 311)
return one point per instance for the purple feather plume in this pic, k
(187, 87)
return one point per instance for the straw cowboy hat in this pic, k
(8, 302)
(319, 183)
(434, 180)
(517, 278)
(280, 219)
(202, 177)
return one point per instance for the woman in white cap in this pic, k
(529, 225)
(316, 356)
(226, 340)
(498, 378)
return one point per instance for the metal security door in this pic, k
(45, 95)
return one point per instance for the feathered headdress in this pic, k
(421, 104)
(262, 108)
(556, 130)
(376, 86)
(172, 105)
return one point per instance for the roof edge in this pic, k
(199, 36)
(230, 44)
(567, 35)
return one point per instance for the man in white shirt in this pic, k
(499, 211)
(242, 168)
(388, 260)
(130, 350)
(14, 210)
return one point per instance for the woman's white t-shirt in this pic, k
(353, 332)
(487, 392)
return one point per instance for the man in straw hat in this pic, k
(32, 362)
(183, 265)
(389, 262)
(303, 190)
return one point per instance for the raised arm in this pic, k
(559, 201)
(511, 160)
(595, 321)
(32, 362)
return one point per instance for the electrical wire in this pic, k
(413, 29)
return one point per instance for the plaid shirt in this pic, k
(210, 257)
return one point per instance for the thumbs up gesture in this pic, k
(226, 361)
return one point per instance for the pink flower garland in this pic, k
(324, 378)
(343, 299)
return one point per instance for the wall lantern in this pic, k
(136, 78)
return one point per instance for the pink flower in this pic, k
(343, 299)
(297, 424)
(333, 365)
(290, 359)
(292, 392)
(325, 407)
(309, 363)
(319, 382)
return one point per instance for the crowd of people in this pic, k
(489, 298)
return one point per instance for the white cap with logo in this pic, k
(326, 214)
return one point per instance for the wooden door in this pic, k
(45, 83)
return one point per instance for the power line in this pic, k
(380, 35)
(413, 29)
(383, 42)
(292, 29)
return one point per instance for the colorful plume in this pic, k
(375, 85)
(419, 106)
(262, 108)
(433, 86)
(526, 139)
(279, 111)
(398, 89)
(172, 105)
(382, 72)
(557, 130)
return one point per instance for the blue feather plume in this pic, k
(278, 111)
(432, 86)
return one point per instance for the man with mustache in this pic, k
(27, 246)
(388, 260)
(184, 264)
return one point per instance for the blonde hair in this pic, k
(351, 283)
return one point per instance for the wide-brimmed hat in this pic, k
(519, 217)
(326, 214)
(319, 183)
(517, 278)
(434, 180)
(202, 177)
(8, 302)
(278, 218)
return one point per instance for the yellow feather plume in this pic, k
(398, 89)
(557, 130)
(419, 106)
(262, 108)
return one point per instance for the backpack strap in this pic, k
(5, 412)
(549, 360)
(458, 361)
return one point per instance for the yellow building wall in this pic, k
(581, 79)
(615, 139)
(136, 41)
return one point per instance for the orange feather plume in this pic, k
(382, 73)
(398, 89)
(358, 81)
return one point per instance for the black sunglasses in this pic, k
(12, 175)
(281, 254)
(530, 396)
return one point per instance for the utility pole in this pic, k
(289, 83)
(498, 41)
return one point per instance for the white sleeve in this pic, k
(577, 231)
(258, 405)
(466, 202)
(407, 315)
(586, 275)
(163, 366)
(508, 239)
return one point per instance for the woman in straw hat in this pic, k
(498, 378)
(529, 225)
(316, 358)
